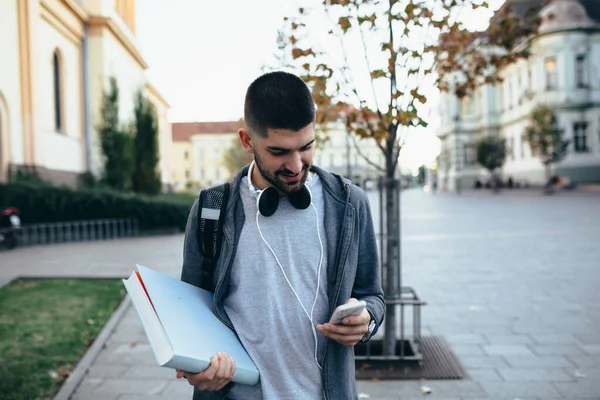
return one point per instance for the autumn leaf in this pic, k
(344, 23)
(378, 73)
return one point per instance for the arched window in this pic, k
(4, 139)
(57, 75)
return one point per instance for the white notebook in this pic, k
(181, 326)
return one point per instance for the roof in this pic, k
(530, 8)
(183, 131)
(528, 11)
(565, 14)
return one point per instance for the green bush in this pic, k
(39, 204)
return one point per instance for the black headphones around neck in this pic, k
(267, 200)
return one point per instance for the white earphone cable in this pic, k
(312, 324)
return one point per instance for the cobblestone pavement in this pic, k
(510, 281)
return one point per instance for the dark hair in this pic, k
(278, 100)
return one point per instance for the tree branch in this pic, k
(364, 43)
(360, 153)
(346, 66)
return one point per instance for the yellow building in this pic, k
(197, 153)
(57, 57)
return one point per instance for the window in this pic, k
(187, 174)
(466, 108)
(522, 146)
(186, 155)
(520, 88)
(469, 154)
(580, 137)
(580, 71)
(501, 96)
(58, 98)
(514, 147)
(551, 77)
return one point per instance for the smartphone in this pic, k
(347, 310)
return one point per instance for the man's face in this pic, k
(283, 158)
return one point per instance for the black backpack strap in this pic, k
(209, 231)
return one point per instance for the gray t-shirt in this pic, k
(266, 314)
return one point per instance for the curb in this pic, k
(83, 366)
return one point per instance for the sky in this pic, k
(203, 54)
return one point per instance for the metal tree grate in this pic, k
(439, 362)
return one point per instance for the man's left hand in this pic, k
(350, 331)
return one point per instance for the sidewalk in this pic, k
(515, 297)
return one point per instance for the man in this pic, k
(298, 242)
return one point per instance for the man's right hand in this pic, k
(215, 377)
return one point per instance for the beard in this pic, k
(275, 180)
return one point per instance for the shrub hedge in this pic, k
(45, 203)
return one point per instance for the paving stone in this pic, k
(512, 350)
(114, 387)
(485, 362)
(537, 362)
(529, 374)
(513, 398)
(430, 396)
(528, 327)
(585, 361)
(543, 390)
(558, 350)
(167, 396)
(588, 337)
(564, 339)
(125, 355)
(179, 387)
(83, 395)
(508, 339)
(389, 389)
(147, 372)
(106, 371)
(472, 339)
(134, 334)
(463, 389)
(590, 349)
(585, 389)
(492, 330)
(478, 375)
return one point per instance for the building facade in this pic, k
(57, 57)
(346, 154)
(198, 149)
(562, 72)
(197, 153)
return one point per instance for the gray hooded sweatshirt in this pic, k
(352, 270)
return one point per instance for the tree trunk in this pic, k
(548, 172)
(392, 283)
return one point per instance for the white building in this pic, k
(339, 154)
(56, 60)
(563, 71)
